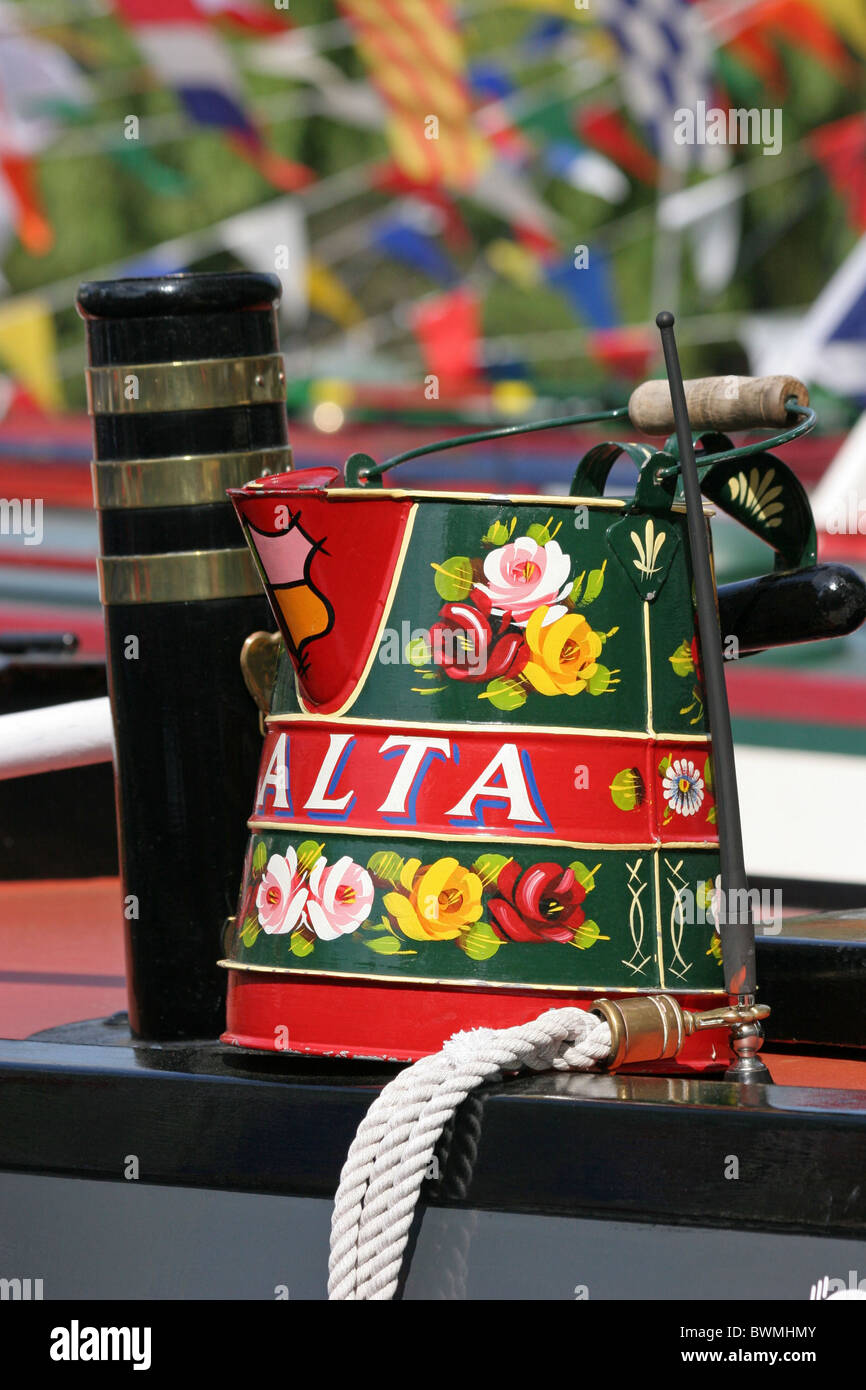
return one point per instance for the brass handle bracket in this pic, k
(260, 657)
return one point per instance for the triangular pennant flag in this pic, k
(626, 351)
(274, 235)
(447, 327)
(588, 287)
(329, 296)
(28, 349)
(828, 345)
(31, 224)
(413, 247)
(514, 263)
(606, 130)
(587, 170)
(840, 147)
(184, 50)
(716, 245)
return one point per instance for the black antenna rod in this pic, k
(736, 928)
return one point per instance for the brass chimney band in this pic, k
(209, 384)
(181, 576)
(185, 480)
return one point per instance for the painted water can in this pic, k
(486, 787)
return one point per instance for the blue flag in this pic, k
(414, 248)
(588, 289)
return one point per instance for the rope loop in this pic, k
(391, 1152)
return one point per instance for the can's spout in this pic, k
(329, 558)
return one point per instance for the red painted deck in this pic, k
(61, 953)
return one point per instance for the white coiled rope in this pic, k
(391, 1152)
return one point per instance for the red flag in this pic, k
(755, 49)
(626, 351)
(840, 147)
(248, 18)
(606, 130)
(33, 228)
(794, 22)
(447, 327)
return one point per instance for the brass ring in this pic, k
(181, 576)
(185, 480)
(208, 384)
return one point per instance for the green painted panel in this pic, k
(421, 909)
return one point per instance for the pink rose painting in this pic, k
(523, 575)
(340, 898)
(281, 894)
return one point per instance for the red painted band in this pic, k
(400, 1023)
(471, 781)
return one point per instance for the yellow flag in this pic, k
(28, 349)
(849, 17)
(513, 262)
(328, 296)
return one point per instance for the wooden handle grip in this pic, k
(717, 403)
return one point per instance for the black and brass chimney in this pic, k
(187, 390)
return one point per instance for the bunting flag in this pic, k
(275, 236)
(828, 346)
(34, 76)
(329, 296)
(142, 163)
(587, 170)
(492, 87)
(414, 55)
(402, 241)
(544, 34)
(848, 17)
(506, 192)
(666, 64)
(625, 351)
(249, 18)
(710, 212)
(514, 263)
(588, 288)
(185, 52)
(605, 129)
(389, 178)
(448, 328)
(840, 148)
(796, 23)
(715, 242)
(32, 226)
(28, 349)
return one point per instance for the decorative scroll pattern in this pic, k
(678, 965)
(636, 921)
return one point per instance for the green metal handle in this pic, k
(758, 446)
(361, 469)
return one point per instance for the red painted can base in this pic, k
(402, 1022)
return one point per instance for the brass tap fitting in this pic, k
(652, 1027)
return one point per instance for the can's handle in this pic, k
(360, 470)
(718, 403)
